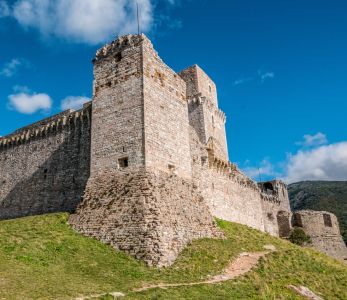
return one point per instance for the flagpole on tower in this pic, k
(138, 19)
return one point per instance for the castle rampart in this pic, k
(148, 156)
(45, 166)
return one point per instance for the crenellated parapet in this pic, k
(275, 191)
(198, 99)
(118, 45)
(51, 125)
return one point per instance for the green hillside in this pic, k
(321, 195)
(42, 258)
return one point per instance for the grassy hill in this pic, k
(321, 195)
(42, 258)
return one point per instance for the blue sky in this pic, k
(280, 68)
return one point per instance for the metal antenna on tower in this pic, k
(259, 174)
(138, 19)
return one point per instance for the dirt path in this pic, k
(241, 265)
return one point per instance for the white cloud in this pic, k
(73, 102)
(265, 75)
(4, 9)
(29, 103)
(314, 161)
(10, 68)
(313, 140)
(261, 77)
(83, 21)
(243, 80)
(265, 169)
(328, 162)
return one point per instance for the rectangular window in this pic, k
(297, 220)
(327, 220)
(123, 162)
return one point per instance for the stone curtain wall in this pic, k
(234, 198)
(325, 236)
(117, 127)
(150, 215)
(166, 116)
(45, 166)
(230, 196)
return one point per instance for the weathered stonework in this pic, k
(45, 167)
(150, 156)
(151, 215)
(323, 229)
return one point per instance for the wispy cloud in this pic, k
(265, 75)
(10, 68)
(264, 170)
(260, 76)
(243, 80)
(4, 9)
(317, 139)
(73, 102)
(27, 102)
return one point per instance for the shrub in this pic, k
(299, 237)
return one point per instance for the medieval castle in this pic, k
(144, 166)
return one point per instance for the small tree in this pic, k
(299, 237)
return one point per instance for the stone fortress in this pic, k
(144, 166)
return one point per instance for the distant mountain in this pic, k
(321, 195)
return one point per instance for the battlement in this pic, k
(199, 99)
(275, 190)
(118, 45)
(46, 126)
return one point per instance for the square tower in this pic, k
(140, 112)
(204, 115)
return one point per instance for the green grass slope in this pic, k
(42, 258)
(321, 195)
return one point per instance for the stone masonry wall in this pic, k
(198, 82)
(150, 215)
(232, 197)
(45, 166)
(165, 116)
(323, 229)
(118, 121)
(276, 208)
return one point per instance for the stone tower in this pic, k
(140, 116)
(204, 115)
(140, 197)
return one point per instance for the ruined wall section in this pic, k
(45, 166)
(118, 121)
(323, 229)
(149, 214)
(165, 116)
